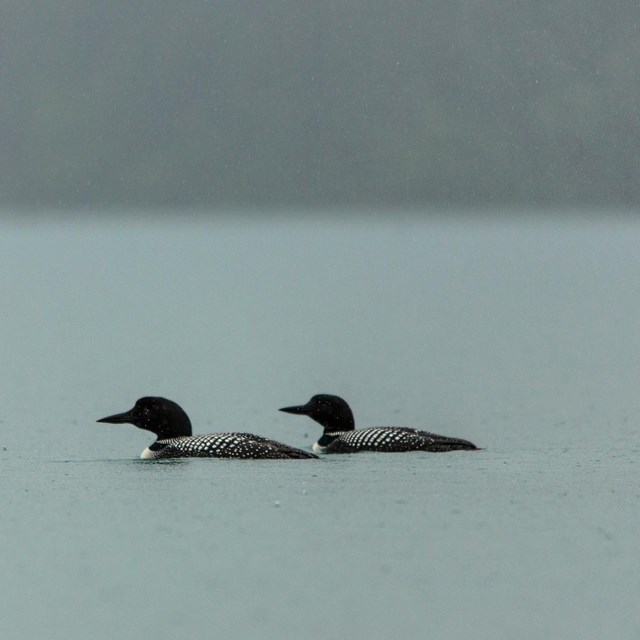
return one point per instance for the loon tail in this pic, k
(301, 454)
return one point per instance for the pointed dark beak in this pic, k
(302, 409)
(118, 418)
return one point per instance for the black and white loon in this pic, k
(341, 436)
(174, 440)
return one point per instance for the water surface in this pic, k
(520, 336)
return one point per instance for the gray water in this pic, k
(521, 336)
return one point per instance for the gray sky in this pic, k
(341, 103)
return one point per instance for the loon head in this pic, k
(332, 412)
(161, 416)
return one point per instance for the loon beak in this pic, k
(301, 410)
(118, 418)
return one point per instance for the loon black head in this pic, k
(161, 416)
(332, 412)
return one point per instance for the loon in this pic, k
(341, 436)
(174, 440)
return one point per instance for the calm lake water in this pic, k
(520, 333)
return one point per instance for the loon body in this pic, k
(174, 440)
(341, 436)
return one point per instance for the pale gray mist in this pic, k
(345, 103)
(522, 337)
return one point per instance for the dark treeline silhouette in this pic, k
(347, 102)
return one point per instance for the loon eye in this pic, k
(325, 407)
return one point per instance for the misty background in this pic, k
(351, 103)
